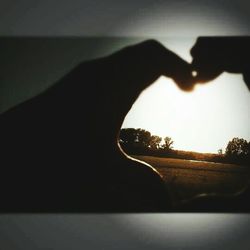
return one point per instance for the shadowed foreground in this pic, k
(187, 179)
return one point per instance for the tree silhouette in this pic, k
(128, 136)
(220, 151)
(238, 151)
(140, 141)
(168, 143)
(237, 147)
(155, 141)
(143, 138)
(131, 139)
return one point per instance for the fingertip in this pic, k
(195, 47)
(186, 85)
(192, 51)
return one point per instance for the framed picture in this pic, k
(130, 119)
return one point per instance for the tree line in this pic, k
(137, 141)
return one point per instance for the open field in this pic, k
(186, 178)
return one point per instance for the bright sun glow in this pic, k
(203, 120)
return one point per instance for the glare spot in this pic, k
(194, 73)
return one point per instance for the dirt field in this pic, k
(186, 178)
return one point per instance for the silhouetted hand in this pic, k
(211, 57)
(123, 75)
(106, 88)
(61, 147)
(214, 55)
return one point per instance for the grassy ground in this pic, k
(186, 178)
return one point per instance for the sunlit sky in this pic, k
(203, 120)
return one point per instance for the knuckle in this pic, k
(153, 44)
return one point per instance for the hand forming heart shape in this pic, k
(89, 104)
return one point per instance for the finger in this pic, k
(180, 71)
(205, 70)
(146, 61)
(171, 65)
(206, 60)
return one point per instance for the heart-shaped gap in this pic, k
(186, 136)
